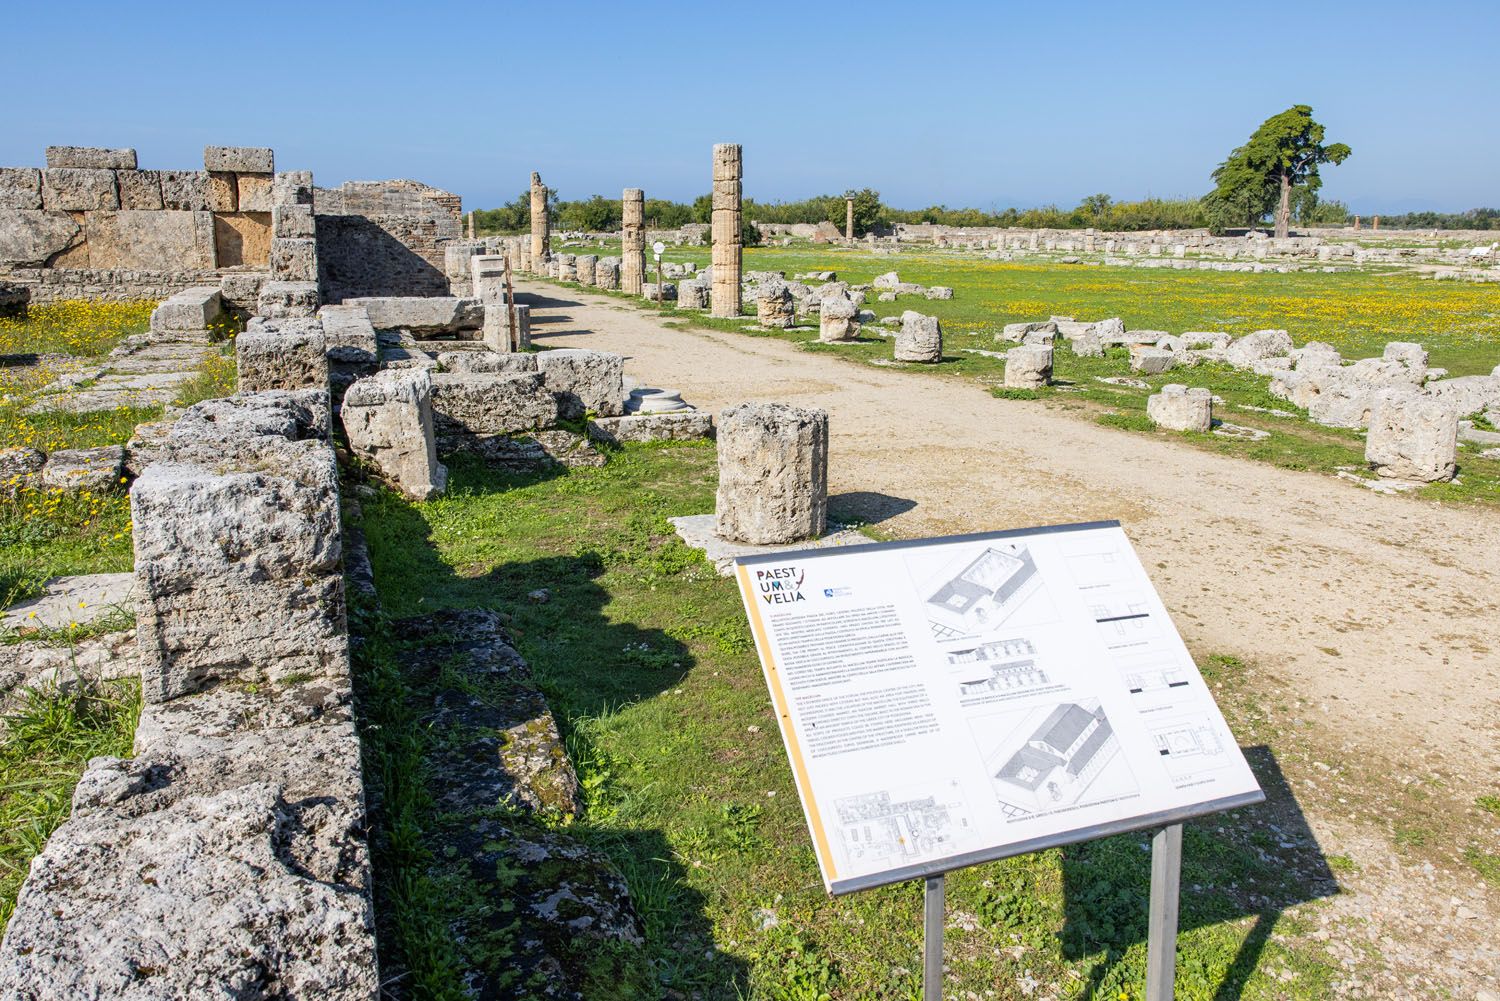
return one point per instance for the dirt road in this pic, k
(1382, 612)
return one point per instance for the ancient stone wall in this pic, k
(383, 238)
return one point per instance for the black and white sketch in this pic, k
(890, 829)
(1190, 746)
(1054, 757)
(996, 667)
(974, 593)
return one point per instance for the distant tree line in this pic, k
(1472, 219)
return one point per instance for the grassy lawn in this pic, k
(646, 660)
(1357, 311)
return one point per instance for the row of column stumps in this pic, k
(540, 248)
(633, 241)
(725, 229)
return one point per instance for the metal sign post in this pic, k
(932, 939)
(1161, 940)
(656, 249)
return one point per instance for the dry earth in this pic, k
(1379, 613)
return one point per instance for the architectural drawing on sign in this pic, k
(1189, 746)
(1122, 617)
(1154, 678)
(1094, 562)
(1017, 676)
(1068, 755)
(881, 829)
(994, 650)
(981, 592)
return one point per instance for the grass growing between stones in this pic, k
(44, 747)
(645, 657)
(217, 377)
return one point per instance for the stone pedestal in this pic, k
(1028, 366)
(585, 264)
(773, 473)
(633, 241)
(1178, 408)
(607, 274)
(1411, 438)
(541, 248)
(775, 310)
(488, 273)
(726, 230)
(692, 294)
(920, 338)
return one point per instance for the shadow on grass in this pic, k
(1252, 863)
(587, 664)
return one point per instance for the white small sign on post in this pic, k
(946, 702)
(658, 248)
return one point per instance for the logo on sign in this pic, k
(781, 585)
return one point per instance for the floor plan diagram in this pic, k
(879, 827)
(1058, 756)
(1189, 746)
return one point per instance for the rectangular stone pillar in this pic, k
(726, 230)
(488, 272)
(540, 247)
(633, 241)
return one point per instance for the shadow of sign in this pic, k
(1250, 863)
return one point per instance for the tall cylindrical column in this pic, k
(633, 241)
(849, 218)
(540, 246)
(726, 230)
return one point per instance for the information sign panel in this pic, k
(950, 701)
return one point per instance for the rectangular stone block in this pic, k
(242, 239)
(294, 260)
(77, 189)
(388, 419)
(150, 240)
(140, 190)
(422, 315)
(293, 222)
(240, 290)
(189, 311)
(20, 188)
(292, 187)
(254, 192)
(90, 158)
(349, 337)
(282, 354)
(279, 300)
(186, 190)
(773, 474)
(584, 381)
(223, 195)
(245, 159)
(467, 404)
(34, 238)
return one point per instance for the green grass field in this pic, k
(645, 657)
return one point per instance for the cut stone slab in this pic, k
(91, 157)
(423, 316)
(239, 159)
(190, 311)
(697, 530)
(81, 599)
(75, 470)
(686, 425)
(584, 381)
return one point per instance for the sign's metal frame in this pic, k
(1166, 845)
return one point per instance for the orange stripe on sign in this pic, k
(784, 718)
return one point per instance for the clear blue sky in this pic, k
(982, 104)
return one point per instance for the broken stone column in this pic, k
(692, 294)
(1028, 366)
(585, 264)
(920, 338)
(836, 319)
(541, 247)
(773, 474)
(633, 241)
(1412, 438)
(726, 230)
(775, 309)
(567, 267)
(607, 274)
(388, 419)
(849, 219)
(1178, 408)
(282, 354)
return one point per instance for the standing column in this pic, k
(849, 219)
(726, 230)
(633, 241)
(540, 248)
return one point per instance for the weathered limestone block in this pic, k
(668, 291)
(1028, 366)
(692, 294)
(77, 189)
(585, 264)
(223, 195)
(387, 418)
(1178, 408)
(773, 473)
(1407, 353)
(487, 274)
(1087, 344)
(280, 300)
(90, 158)
(349, 340)
(240, 289)
(190, 311)
(1020, 332)
(140, 190)
(19, 468)
(184, 190)
(1258, 346)
(567, 267)
(292, 222)
(32, 238)
(1412, 438)
(725, 229)
(633, 241)
(282, 354)
(486, 361)
(292, 187)
(1151, 360)
(939, 292)
(688, 425)
(775, 310)
(256, 192)
(584, 381)
(541, 247)
(294, 260)
(20, 188)
(920, 338)
(149, 240)
(607, 274)
(1110, 331)
(239, 159)
(889, 280)
(98, 470)
(836, 319)
(465, 404)
(423, 316)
